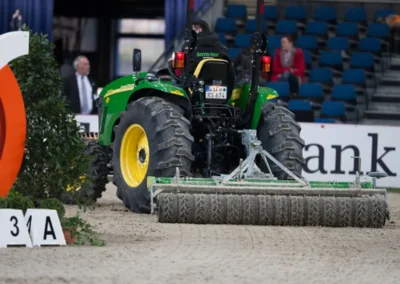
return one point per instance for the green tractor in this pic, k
(149, 125)
(197, 148)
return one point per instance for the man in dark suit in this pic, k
(81, 92)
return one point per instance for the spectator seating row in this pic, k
(299, 13)
(377, 38)
(330, 111)
(324, 41)
(352, 85)
(314, 92)
(319, 28)
(309, 44)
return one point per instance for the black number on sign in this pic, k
(13, 218)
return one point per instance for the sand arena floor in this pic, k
(140, 250)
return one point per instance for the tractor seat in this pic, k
(216, 73)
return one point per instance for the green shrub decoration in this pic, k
(53, 203)
(54, 153)
(54, 157)
(16, 200)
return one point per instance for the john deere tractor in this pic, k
(194, 135)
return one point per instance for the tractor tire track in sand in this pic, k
(141, 250)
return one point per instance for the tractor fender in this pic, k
(264, 94)
(117, 95)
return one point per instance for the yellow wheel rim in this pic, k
(134, 155)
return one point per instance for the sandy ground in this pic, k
(140, 250)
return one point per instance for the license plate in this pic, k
(216, 92)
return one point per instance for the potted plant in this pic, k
(69, 227)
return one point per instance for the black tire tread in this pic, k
(234, 209)
(272, 210)
(98, 169)
(168, 210)
(202, 207)
(170, 139)
(280, 136)
(250, 209)
(218, 209)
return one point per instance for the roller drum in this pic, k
(272, 210)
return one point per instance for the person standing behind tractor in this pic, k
(288, 64)
(207, 45)
(243, 64)
(80, 91)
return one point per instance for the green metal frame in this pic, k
(254, 182)
(116, 96)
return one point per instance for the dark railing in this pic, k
(205, 6)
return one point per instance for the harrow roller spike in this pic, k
(245, 197)
(276, 210)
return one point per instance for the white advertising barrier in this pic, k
(330, 147)
(88, 123)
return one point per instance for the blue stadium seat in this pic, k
(331, 59)
(302, 110)
(251, 26)
(344, 92)
(243, 40)
(324, 120)
(357, 78)
(271, 52)
(286, 27)
(317, 28)
(294, 105)
(236, 11)
(383, 13)
(298, 13)
(356, 14)
(274, 41)
(233, 52)
(307, 58)
(362, 60)
(270, 13)
(333, 109)
(307, 42)
(222, 38)
(282, 88)
(370, 44)
(325, 13)
(347, 30)
(225, 25)
(338, 44)
(312, 91)
(323, 76)
(308, 62)
(378, 30)
(354, 76)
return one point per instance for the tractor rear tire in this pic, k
(152, 139)
(280, 136)
(98, 169)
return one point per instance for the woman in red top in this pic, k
(288, 64)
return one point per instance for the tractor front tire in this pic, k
(280, 136)
(152, 139)
(98, 169)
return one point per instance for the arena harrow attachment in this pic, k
(249, 196)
